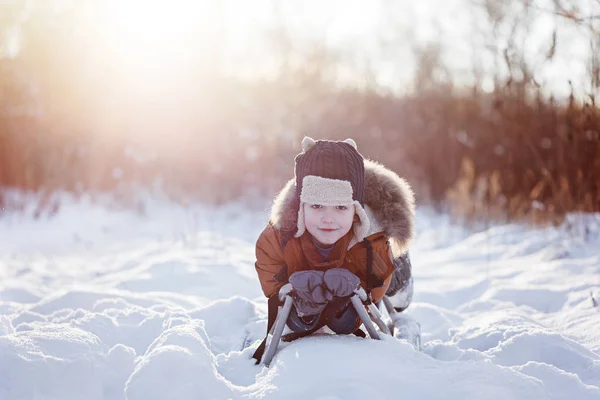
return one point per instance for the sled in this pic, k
(370, 316)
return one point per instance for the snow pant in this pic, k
(344, 319)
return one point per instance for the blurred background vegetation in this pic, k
(489, 108)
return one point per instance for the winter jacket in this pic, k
(389, 203)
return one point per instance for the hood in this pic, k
(389, 203)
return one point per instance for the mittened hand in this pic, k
(340, 282)
(309, 294)
(313, 289)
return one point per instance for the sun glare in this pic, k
(149, 29)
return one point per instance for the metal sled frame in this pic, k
(368, 317)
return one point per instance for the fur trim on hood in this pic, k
(389, 203)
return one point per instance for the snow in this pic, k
(163, 303)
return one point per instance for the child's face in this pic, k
(327, 224)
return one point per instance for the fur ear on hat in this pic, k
(352, 143)
(307, 143)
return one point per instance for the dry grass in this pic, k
(497, 156)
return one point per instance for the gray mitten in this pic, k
(341, 282)
(309, 294)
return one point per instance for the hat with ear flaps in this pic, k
(331, 173)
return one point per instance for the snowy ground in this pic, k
(99, 304)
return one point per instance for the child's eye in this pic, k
(342, 208)
(316, 206)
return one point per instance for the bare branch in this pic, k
(559, 11)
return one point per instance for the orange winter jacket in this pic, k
(276, 260)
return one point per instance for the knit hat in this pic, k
(331, 173)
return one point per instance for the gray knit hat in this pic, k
(331, 173)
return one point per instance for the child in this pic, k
(342, 222)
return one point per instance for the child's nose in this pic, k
(327, 217)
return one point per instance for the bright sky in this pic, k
(351, 25)
(147, 38)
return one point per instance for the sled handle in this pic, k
(362, 313)
(282, 317)
(376, 317)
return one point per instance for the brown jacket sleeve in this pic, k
(270, 263)
(383, 266)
